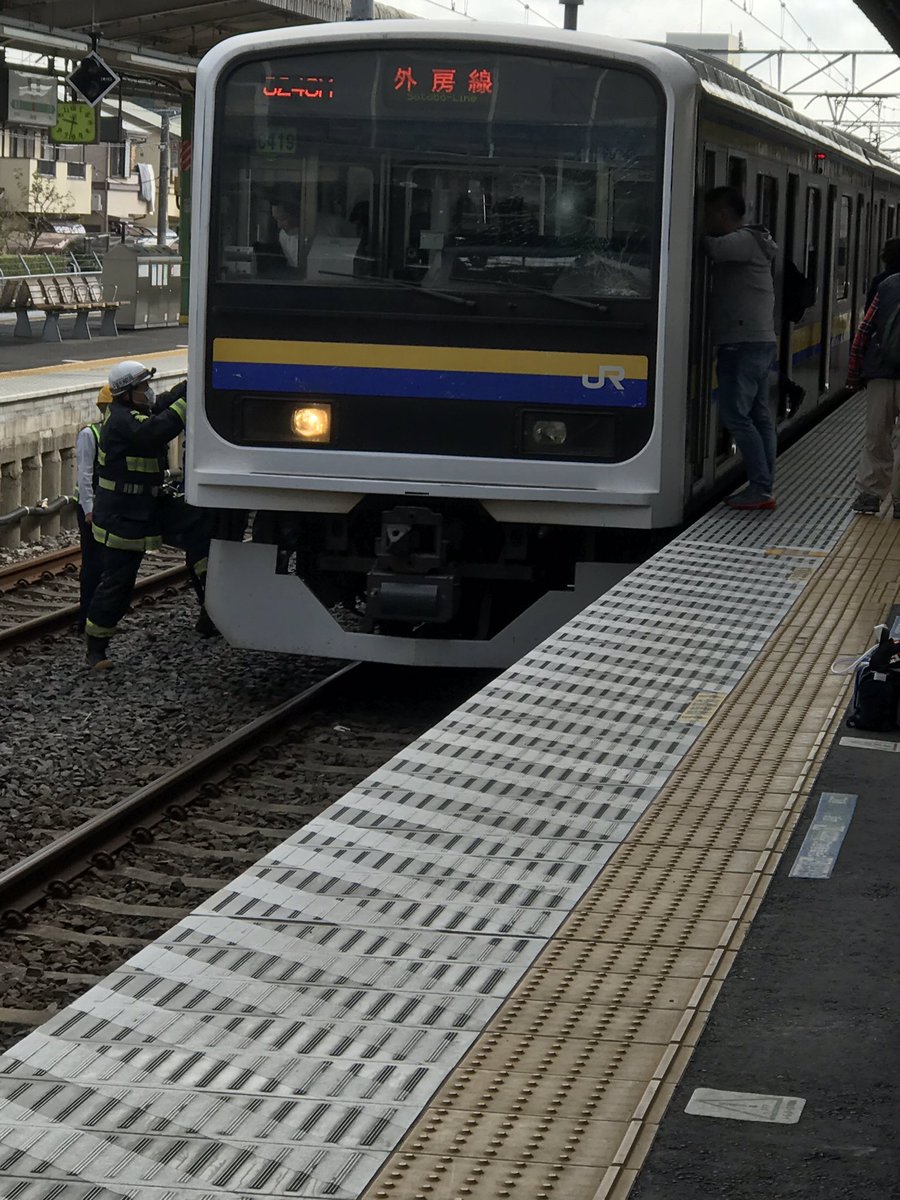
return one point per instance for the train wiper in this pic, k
(562, 298)
(416, 287)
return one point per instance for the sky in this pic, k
(838, 23)
(760, 25)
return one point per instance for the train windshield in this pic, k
(454, 171)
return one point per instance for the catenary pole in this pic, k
(570, 16)
(162, 214)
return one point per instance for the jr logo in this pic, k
(613, 375)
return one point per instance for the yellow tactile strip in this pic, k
(561, 1096)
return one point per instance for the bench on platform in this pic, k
(55, 285)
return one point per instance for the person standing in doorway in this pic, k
(878, 476)
(890, 257)
(743, 331)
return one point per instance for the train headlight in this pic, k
(312, 423)
(548, 433)
(571, 433)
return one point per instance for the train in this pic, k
(449, 333)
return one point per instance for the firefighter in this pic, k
(131, 513)
(85, 486)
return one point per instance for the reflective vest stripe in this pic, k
(146, 466)
(138, 545)
(128, 489)
(92, 629)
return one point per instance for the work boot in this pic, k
(97, 659)
(867, 502)
(897, 510)
(205, 625)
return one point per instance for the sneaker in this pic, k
(97, 659)
(867, 502)
(745, 501)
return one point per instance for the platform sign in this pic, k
(825, 836)
(92, 79)
(745, 1106)
(28, 100)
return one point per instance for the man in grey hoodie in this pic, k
(743, 330)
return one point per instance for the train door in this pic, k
(773, 214)
(841, 287)
(827, 289)
(701, 419)
(785, 328)
(859, 267)
(808, 335)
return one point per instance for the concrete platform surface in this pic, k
(34, 367)
(810, 1012)
(72, 377)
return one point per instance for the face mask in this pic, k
(151, 396)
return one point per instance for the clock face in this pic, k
(75, 122)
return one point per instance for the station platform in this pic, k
(33, 368)
(494, 968)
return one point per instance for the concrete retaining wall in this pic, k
(37, 453)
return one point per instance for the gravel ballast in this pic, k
(73, 737)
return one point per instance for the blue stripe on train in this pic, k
(451, 385)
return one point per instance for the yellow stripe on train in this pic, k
(423, 358)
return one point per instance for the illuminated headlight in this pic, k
(312, 423)
(548, 433)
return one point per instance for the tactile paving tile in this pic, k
(283, 1038)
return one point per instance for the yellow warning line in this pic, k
(562, 1095)
(87, 365)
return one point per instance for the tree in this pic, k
(44, 200)
(11, 226)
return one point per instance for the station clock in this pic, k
(76, 123)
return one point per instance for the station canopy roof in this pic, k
(885, 16)
(145, 36)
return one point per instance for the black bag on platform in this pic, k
(876, 691)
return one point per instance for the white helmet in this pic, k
(126, 375)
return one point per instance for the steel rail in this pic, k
(32, 570)
(47, 871)
(60, 618)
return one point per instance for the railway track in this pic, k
(75, 909)
(42, 567)
(39, 596)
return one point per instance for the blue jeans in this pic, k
(743, 372)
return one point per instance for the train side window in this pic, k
(891, 218)
(709, 170)
(767, 201)
(737, 174)
(813, 239)
(842, 257)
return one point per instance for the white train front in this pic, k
(448, 320)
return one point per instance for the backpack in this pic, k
(797, 292)
(889, 339)
(876, 689)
